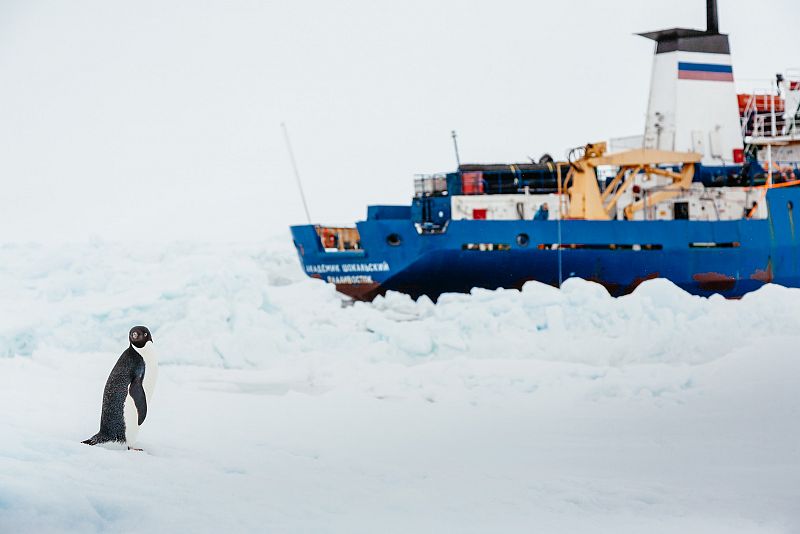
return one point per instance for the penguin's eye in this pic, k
(134, 335)
(145, 334)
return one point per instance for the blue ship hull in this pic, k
(726, 257)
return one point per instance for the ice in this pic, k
(283, 407)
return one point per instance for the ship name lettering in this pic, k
(365, 267)
(353, 279)
(323, 268)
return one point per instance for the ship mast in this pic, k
(712, 21)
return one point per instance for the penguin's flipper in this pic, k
(136, 391)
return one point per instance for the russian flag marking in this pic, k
(705, 71)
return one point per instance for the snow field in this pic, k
(283, 408)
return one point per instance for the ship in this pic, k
(705, 198)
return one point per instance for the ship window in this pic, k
(711, 244)
(486, 247)
(523, 240)
(393, 239)
(681, 210)
(789, 205)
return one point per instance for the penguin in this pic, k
(128, 392)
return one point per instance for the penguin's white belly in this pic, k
(131, 421)
(149, 382)
(150, 370)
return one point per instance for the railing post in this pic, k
(774, 128)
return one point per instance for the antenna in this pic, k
(560, 214)
(712, 20)
(455, 145)
(296, 173)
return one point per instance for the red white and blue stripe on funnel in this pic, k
(705, 71)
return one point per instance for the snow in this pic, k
(282, 407)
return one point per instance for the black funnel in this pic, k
(712, 21)
(709, 41)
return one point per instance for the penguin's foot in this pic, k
(135, 449)
(96, 439)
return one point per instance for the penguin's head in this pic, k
(139, 336)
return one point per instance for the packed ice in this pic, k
(284, 407)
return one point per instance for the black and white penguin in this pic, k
(128, 391)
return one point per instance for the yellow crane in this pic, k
(587, 202)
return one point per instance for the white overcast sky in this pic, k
(160, 120)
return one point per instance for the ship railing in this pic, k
(776, 119)
(755, 105)
(771, 126)
(428, 185)
(761, 120)
(749, 111)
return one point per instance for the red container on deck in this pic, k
(472, 183)
(479, 215)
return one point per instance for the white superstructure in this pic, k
(503, 207)
(698, 203)
(692, 105)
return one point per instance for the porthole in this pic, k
(790, 205)
(523, 240)
(393, 239)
